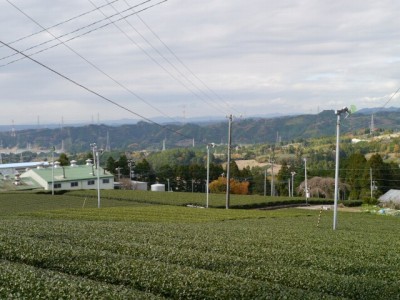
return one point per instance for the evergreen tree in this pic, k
(234, 170)
(355, 167)
(122, 163)
(144, 171)
(111, 165)
(283, 177)
(380, 175)
(63, 159)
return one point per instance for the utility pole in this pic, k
(96, 158)
(208, 172)
(370, 177)
(119, 173)
(94, 146)
(292, 173)
(272, 178)
(305, 179)
(52, 170)
(98, 177)
(228, 174)
(338, 113)
(131, 164)
(265, 182)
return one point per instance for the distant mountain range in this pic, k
(160, 120)
(144, 135)
(370, 111)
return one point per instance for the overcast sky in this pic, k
(241, 57)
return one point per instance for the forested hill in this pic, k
(150, 136)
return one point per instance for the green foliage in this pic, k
(111, 165)
(122, 164)
(144, 171)
(177, 157)
(63, 159)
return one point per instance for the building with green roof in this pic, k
(73, 177)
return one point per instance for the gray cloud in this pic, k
(258, 56)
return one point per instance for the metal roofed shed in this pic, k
(391, 197)
(74, 177)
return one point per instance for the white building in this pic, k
(73, 177)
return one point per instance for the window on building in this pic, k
(57, 185)
(106, 180)
(90, 182)
(74, 184)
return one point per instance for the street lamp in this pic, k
(292, 173)
(208, 170)
(338, 114)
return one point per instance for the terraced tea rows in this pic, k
(185, 253)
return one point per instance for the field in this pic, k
(63, 247)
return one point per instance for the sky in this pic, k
(185, 59)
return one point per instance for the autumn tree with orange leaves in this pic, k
(219, 186)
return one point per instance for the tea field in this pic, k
(63, 247)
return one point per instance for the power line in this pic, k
(162, 56)
(90, 90)
(212, 103)
(89, 62)
(181, 62)
(58, 24)
(85, 27)
(390, 99)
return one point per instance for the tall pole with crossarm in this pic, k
(338, 114)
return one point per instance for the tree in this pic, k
(144, 171)
(257, 184)
(283, 177)
(234, 170)
(182, 178)
(355, 166)
(63, 159)
(215, 171)
(236, 187)
(198, 175)
(111, 165)
(122, 163)
(323, 187)
(166, 173)
(381, 174)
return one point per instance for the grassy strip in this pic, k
(15, 203)
(198, 199)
